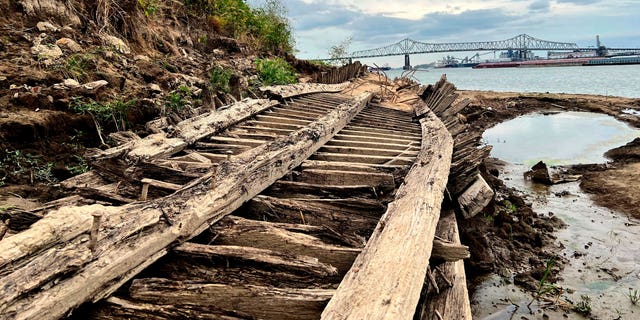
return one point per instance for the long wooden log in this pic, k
(159, 145)
(289, 91)
(451, 299)
(263, 302)
(386, 279)
(133, 236)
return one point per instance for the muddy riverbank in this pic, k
(612, 185)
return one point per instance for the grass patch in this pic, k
(275, 71)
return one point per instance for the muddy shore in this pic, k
(614, 185)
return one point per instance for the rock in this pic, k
(141, 57)
(70, 44)
(118, 44)
(539, 173)
(46, 52)
(44, 26)
(95, 84)
(155, 88)
(71, 83)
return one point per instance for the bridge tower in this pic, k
(407, 63)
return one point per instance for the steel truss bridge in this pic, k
(522, 43)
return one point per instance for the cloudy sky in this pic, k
(319, 24)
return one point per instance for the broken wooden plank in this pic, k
(277, 260)
(451, 299)
(288, 91)
(133, 236)
(262, 302)
(475, 198)
(159, 145)
(237, 231)
(346, 178)
(386, 279)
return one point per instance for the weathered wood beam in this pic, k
(262, 302)
(289, 91)
(346, 178)
(451, 299)
(386, 279)
(186, 132)
(278, 260)
(133, 236)
(265, 235)
(475, 198)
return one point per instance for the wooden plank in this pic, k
(159, 145)
(133, 236)
(293, 90)
(263, 256)
(368, 151)
(386, 279)
(451, 299)
(355, 158)
(262, 302)
(475, 198)
(346, 178)
(237, 231)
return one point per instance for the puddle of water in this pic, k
(602, 246)
(563, 138)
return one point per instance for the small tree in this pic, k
(340, 51)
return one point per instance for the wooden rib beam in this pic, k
(279, 260)
(262, 302)
(386, 279)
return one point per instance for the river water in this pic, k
(619, 81)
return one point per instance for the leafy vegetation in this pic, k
(150, 7)
(219, 78)
(265, 28)
(16, 164)
(111, 112)
(275, 71)
(80, 167)
(177, 99)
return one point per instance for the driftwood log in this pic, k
(386, 279)
(80, 254)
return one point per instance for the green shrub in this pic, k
(219, 78)
(16, 164)
(177, 99)
(114, 111)
(266, 28)
(275, 71)
(271, 28)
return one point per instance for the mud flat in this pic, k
(597, 247)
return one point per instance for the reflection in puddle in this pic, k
(601, 246)
(564, 138)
